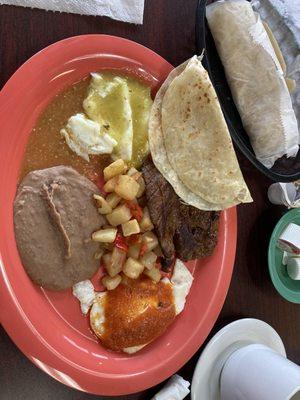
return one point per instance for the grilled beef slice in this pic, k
(182, 229)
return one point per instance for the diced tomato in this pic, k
(143, 249)
(133, 239)
(120, 242)
(135, 209)
(99, 181)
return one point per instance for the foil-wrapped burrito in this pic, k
(256, 79)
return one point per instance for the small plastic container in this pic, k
(284, 169)
(286, 287)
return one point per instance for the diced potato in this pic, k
(110, 185)
(134, 201)
(119, 215)
(149, 259)
(116, 168)
(111, 283)
(133, 268)
(142, 188)
(137, 176)
(150, 240)
(116, 262)
(106, 259)
(113, 200)
(134, 173)
(105, 235)
(153, 273)
(126, 187)
(137, 239)
(104, 207)
(134, 251)
(98, 255)
(130, 228)
(145, 222)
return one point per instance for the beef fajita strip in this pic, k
(181, 229)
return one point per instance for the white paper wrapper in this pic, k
(285, 257)
(256, 79)
(175, 389)
(283, 17)
(293, 268)
(287, 194)
(289, 240)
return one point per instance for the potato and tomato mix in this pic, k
(127, 243)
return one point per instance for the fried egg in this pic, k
(138, 311)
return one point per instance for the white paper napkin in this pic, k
(122, 10)
(175, 389)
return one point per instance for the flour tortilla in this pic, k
(170, 144)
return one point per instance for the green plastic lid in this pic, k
(287, 287)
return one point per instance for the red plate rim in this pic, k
(19, 323)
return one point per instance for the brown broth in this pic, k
(47, 148)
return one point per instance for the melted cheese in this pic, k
(133, 314)
(108, 104)
(85, 137)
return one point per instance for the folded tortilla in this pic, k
(190, 143)
(255, 72)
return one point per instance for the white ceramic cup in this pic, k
(256, 372)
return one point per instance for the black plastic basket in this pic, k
(285, 169)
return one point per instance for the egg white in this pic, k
(181, 282)
(85, 293)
